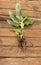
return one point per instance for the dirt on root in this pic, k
(22, 42)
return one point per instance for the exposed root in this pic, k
(22, 42)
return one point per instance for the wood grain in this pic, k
(17, 52)
(32, 8)
(20, 61)
(25, 4)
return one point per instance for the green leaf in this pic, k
(18, 10)
(25, 15)
(13, 17)
(28, 22)
(18, 32)
(31, 21)
(12, 23)
(12, 30)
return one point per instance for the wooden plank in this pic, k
(34, 4)
(27, 32)
(18, 52)
(13, 41)
(20, 61)
(32, 8)
(36, 25)
(6, 32)
(25, 4)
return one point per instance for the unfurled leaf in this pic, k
(12, 23)
(13, 17)
(18, 10)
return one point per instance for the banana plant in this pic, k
(20, 20)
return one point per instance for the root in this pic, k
(21, 42)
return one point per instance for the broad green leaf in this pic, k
(18, 10)
(28, 22)
(13, 17)
(12, 23)
(31, 21)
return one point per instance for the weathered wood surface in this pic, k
(32, 8)
(10, 53)
(17, 52)
(20, 61)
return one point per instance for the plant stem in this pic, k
(22, 27)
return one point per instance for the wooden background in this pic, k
(10, 54)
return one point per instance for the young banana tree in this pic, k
(20, 20)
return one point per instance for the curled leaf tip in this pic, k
(18, 10)
(18, 4)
